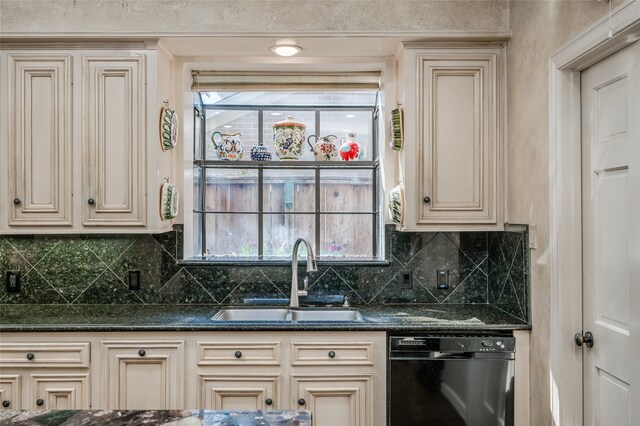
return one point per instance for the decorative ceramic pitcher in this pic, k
(350, 150)
(288, 138)
(228, 146)
(323, 148)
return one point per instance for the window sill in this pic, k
(254, 261)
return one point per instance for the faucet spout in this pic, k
(311, 267)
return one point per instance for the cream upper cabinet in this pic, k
(39, 184)
(113, 142)
(80, 147)
(453, 162)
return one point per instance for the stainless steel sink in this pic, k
(252, 315)
(283, 314)
(324, 315)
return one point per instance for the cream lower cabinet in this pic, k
(142, 374)
(45, 375)
(339, 376)
(453, 162)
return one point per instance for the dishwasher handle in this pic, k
(436, 356)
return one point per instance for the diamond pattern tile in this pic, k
(255, 285)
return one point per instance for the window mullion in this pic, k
(260, 187)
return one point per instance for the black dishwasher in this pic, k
(453, 380)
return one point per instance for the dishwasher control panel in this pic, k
(451, 344)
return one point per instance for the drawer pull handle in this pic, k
(332, 354)
(16, 201)
(91, 201)
(268, 401)
(142, 352)
(40, 402)
(301, 401)
(427, 200)
(238, 354)
(30, 356)
(6, 403)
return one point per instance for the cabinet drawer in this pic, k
(44, 354)
(240, 353)
(331, 353)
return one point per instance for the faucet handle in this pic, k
(305, 287)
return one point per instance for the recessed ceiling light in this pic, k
(276, 114)
(346, 130)
(227, 126)
(286, 49)
(350, 116)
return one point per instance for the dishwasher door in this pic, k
(459, 381)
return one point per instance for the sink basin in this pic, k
(252, 315)
(324, 315)
(309, 315)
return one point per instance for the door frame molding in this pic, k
(565, 204)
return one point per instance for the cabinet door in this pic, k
(40, 141)
(145, 375)
(240, 391)
(458, 149)
(333, 399)
(10, 392)
(59, 391)
(114, 141)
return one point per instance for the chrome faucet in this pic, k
(311, 267)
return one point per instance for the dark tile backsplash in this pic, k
(484, 267)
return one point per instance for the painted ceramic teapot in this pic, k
(350, 150)
(227, 145)
(260, 153)
(323, 148)
(288, 138)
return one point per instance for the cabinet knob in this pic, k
(301, 401)
(268, 401)
(6, 403)
(142, 352)
(40, 402)
(16, 201)
(238, 354)
(91, 201)
(30, 356)
(427, 199)
(332, 354)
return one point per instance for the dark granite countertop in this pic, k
(156, 417)
(198, 318)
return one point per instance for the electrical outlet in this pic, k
(13, 281)
(134, 280)
(442, 282)
(406, 280)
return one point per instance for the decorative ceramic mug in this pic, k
(288, 138)
(260, 153)
(323, 148)
(228, 146)
(350, 150)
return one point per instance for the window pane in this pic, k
(287, 190)
(231, 121)
(339, 123)
(232, 190)
(197, 135)
(305, 117)
(232, 234)
(197, 182)
(282, 230)
(346, 235)
(197, 234)
(346, 190)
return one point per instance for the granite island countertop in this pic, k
(155, 417)
(394, 318)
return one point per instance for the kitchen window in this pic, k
(245, 209)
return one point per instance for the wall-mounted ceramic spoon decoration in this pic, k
(168, 201)
(168, 127)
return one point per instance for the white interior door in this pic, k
(611, 238)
